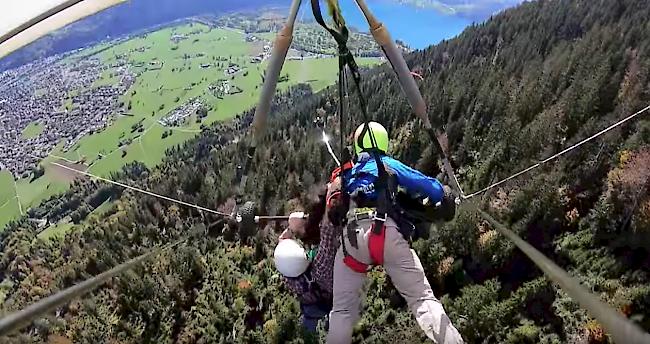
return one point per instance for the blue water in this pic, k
(419, 28)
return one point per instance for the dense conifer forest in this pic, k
(509, 92)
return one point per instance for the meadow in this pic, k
(169, 74)
(33, 130)
(8, 203)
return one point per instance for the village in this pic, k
(64, 102)
(37, 94)
(181, 113)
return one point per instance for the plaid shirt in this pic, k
(322, 269)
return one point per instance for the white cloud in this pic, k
(475, 9)
(13, 13)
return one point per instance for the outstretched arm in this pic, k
(415, 181)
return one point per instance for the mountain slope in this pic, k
(509, 92)
(120, 20)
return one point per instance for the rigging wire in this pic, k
(198, 207)
(557, 155)
(326, 140)
(17, 320)
(344, 106)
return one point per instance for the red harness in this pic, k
(342, 169)
(376, 238)
(376, 243)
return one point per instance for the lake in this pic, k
(419, 28)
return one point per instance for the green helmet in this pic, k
(378, 131)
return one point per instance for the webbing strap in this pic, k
(350, 261)
(345, 56)
(384, 197)
(355, 265)
(347, 59)
(341, 38)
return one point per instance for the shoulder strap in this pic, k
(384, 201)
(347, 59)
(384, 197)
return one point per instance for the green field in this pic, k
(56, 230)
(168, 75)
(33, 130)
(8, 203)
(32, 192)
(7, 187)
(59, 229)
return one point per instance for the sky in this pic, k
(474, 10)
(421, 23)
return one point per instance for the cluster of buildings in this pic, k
(178, 115)
(266, 53)
(60, 97)
(232, 69)
(220, 88)
(176, 38)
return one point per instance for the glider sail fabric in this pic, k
(38, 22)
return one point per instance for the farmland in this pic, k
(172, 67)
(8, 202)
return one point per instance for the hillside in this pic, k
(308, 36)
(509, 92)
(121, 20)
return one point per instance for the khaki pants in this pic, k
(405, 270)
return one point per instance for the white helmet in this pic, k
(290, 258)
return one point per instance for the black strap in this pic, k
(345, 56)
(384, 199)
(345, 59)
(341, 38)
(384, 196)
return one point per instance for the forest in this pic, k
(508, 92)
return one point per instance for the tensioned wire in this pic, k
(557, 155)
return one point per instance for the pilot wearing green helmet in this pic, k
(375, 235)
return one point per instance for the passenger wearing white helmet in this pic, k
(305, 257)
